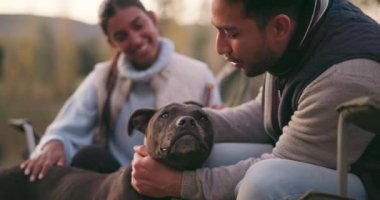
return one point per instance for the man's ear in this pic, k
(282, 26)
(279, 30)
(139, 120)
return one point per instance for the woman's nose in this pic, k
(135, 39)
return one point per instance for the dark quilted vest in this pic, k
(343, 33)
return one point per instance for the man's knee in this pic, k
(259, 181)
(268, 179)
(287, 179)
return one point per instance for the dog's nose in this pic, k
(185, 121)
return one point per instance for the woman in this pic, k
(144, 72)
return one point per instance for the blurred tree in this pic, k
(365, 2)
(199, 45)
(89, 54)
(20, 73)
(2, 52)
(87, 57)
(45, 52)
(168, 10)
(165, 12)
(202, 39)
(66, 58)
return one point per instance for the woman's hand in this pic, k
(152, 178)
(51, 154)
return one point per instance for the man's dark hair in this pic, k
(109, 8)
(264, 10)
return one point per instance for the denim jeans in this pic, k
(231, 153)
(279, 179)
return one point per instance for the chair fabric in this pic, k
(363, 112)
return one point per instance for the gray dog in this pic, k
(178, 135)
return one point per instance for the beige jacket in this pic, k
(181, 80)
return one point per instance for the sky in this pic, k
(85, 10)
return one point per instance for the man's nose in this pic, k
(222, 46)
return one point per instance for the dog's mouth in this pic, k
(185, 151)
(184, 143)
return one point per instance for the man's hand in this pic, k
(154, 179)
(52, 154)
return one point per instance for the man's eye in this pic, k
(164, 115)
(230, 34)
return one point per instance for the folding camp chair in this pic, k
(363, 112)
(25, 126)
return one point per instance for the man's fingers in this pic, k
(141, 150)
(133, 183)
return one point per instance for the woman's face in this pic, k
(135, 32)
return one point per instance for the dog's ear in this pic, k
(139, 119)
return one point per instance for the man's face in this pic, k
(240, 40)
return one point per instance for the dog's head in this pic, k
(179, 135)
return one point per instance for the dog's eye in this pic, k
(204, 118)
(164, 115)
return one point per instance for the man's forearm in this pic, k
(214, 183)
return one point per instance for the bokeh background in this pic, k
(48, 46)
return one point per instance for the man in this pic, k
(318, 54)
